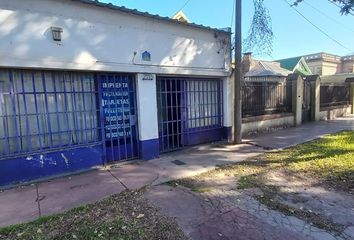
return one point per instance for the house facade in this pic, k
(83, 83)
(325, 64)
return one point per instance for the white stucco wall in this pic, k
(147, 107)
(267, 125)
(334, 112)
(97, 38)
(228, 95)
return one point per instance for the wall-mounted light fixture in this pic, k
(56, 33)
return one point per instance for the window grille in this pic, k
(44, 110)
(203, 104)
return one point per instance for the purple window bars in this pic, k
(189, 109)
(46, 111)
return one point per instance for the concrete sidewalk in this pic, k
(304, 133)
(28, 203)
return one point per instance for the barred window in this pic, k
(41, 110)
(204, 103)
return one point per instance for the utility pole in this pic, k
(237, 135)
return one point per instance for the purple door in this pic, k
(170, 115)
(189, 111)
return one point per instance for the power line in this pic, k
(184, 5)
(318, 28)
(327, 16)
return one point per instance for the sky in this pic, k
(294, 36)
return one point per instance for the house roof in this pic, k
(295, 65)
(267, 69)
(180, 16)
(149, 15)
(289, 63)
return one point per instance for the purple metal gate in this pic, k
(189, 111)
(119, 116)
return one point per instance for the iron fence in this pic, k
(260, 98)
(334, 95)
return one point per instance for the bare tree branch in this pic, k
(346, 6)
(260, 35)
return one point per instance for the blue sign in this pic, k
(117, 103)
(146, 56)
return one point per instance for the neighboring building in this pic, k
(83, 83)
(180, 16)
(296, 65)
(337, 78)
(329, 64)
(262, 71)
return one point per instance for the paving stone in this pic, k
(65, 193)
(350, 231)
(18, 205)
(136, 176)
(322, 236)
(188, 210)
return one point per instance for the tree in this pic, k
(346, 6)
(260, 36)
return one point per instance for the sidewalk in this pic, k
(304, 133)
(28, 203)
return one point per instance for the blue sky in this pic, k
(293, 35)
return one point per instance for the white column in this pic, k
(228, 109)
(297, 95)
(147, 115)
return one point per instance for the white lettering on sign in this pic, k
(117, 118)
(118, 134)
(148, 77)
(116, 110)
(115, 94)
(114, 85)
(115, 101)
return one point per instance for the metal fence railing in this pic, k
(334, 95)
(260, 98)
